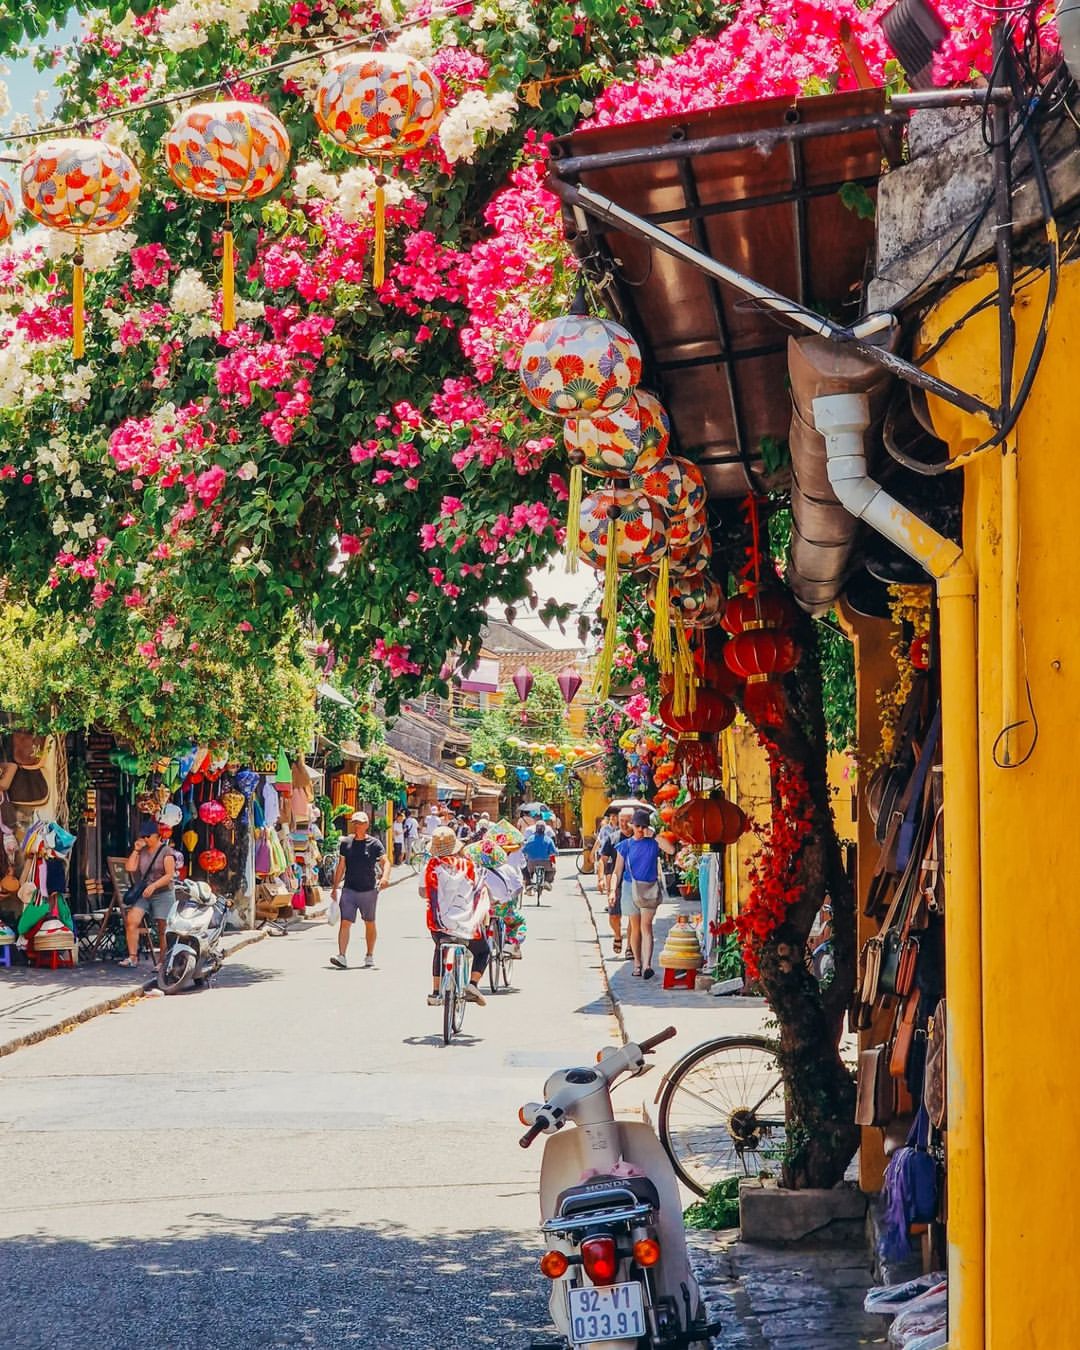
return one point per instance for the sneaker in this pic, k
(514, 953)
(369, 962)
(339, 961)
(473, 995)
(433, 1000)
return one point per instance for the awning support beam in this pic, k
(780, 306)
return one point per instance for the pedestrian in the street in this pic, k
(607, 831)
(432, 820)
(446, 853)
(639, 858)
(154, 861)
(410, 833)
(364, 867)
(399, 837)
(619, 903)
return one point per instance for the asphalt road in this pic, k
(293, 1158)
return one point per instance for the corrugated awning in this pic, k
(758, 187)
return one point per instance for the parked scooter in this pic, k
(617, 1260)
(193, 932)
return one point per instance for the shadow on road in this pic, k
(293, 1280)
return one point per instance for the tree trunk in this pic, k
(821, 1091)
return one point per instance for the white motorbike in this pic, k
(193, 932)
(617, 1260)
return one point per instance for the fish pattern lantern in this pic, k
(79, 186)
(228, 152)
(381, 105)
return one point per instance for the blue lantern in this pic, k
(478, 767)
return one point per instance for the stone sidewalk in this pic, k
(806, 1296)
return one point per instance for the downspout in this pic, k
(843, 419)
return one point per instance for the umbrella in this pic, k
(538, 809)
(631, 803)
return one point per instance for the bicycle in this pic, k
(723, 1111)
(457, 967)
(501, 961)
(536, 884)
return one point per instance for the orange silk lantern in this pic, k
(381, 105)
(7, 211)
(709, 820)
(667, 793)
(227, 152)
(79, 186)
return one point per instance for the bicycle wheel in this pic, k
(496, 940)
(448, 1002)
(723, 1111)
(506, 965)
(459, 1009)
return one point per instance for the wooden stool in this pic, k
(679, 979)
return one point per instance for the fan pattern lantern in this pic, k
(640, 528)
(7, 211)
(227, 152)
(696, 598)
(381, 105)
(610, 445)
(80, 186)
(576, 366)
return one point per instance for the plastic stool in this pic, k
(5, 954)
(679, 979)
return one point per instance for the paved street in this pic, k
(293, 1158)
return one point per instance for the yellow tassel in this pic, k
(678, 691)
(77, 308)
(228, 282)
(662, 618)
(573, 518)
(685, 661)
(609, 611)
(380, 230)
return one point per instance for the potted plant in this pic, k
(688, 869)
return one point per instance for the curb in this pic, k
(616, 1006)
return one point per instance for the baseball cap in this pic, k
(359, 816)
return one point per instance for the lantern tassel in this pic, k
(228, 283)
(78, 306)
(379, 268)
(684, 660)
(662, 618)
(609, 611)
(573, 518)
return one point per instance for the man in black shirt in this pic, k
(361, 860)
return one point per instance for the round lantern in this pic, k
(755, 608)
(758, 656)
(713, 712)
(227, 152)
(7, 211)
(460, 762)
(380, 105)
(688, 558)
(679, 487)
(709, 820)
(213, 860)
(212, 812)
(640, 530)
(695, 598)
(577, 366)
(79, 186)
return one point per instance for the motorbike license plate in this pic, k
(605, 1314)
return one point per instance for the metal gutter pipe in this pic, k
(1068, 26)
(843, 419)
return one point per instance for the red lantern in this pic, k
(212, 812)
(213, 860)
(523, 682)
(919, 653)
(709, 820)
(760, 653)
(569, 683)
(765, 609)
(711, 715)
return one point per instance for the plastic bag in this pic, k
(333, 913)
(923, 1315)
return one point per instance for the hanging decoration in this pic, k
(213, 860)
(680, 488)
(79, 186)
(381, 105)
(578, 366)
(706, 821)
(523, 682)
(610, 444)
(7, 211)
(227, 152)
(569, 682)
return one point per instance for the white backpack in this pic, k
(459, 908)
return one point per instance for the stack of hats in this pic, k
(682, 951)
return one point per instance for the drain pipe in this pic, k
(842, 419)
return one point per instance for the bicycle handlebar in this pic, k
(652, 1042)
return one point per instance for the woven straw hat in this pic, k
(444, 842)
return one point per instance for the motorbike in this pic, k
(612, 1217)
(193, 954)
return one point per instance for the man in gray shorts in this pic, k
(364, 866)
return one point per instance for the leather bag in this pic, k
(29, 788)
(935, 1082)
(28, 750)
(904, 1038)
(875, 1101)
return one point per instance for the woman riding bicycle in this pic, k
(445, 854)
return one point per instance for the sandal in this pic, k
(618, 946)
(648, 973)
(636, 970)
(129, 962)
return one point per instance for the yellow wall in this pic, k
(1030, 841)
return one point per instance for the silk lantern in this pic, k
(755, 607)
(213, 860)
(579, 366)
(569, 683)
(79, 186)
(7, 211)
(709, 820)
(381, 105)
(227, 152)
(758, 656)
(523, 682)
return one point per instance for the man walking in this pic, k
(618, 896)
(361, 860)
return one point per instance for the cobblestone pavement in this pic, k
(806, 1297)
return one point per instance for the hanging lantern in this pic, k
(212, 812)
(714, 712)
(79, 186)
(755, 607)
(460, 762)
(577, 366)
(478, 767)
(381, 105)
(679, 487)
(227, 152)
(569, 683)
(689, 558)
(704, 821)
(233, 803)
(499, 771)
(759, 656)
(213, 860)
(523, 682)
(190, 839)
(609, 444)
(7, 211)
(919, 653)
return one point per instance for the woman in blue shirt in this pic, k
(540, 852)
(639, 859)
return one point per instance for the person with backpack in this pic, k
(364, 867)
(451, 891)
(639, 860)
